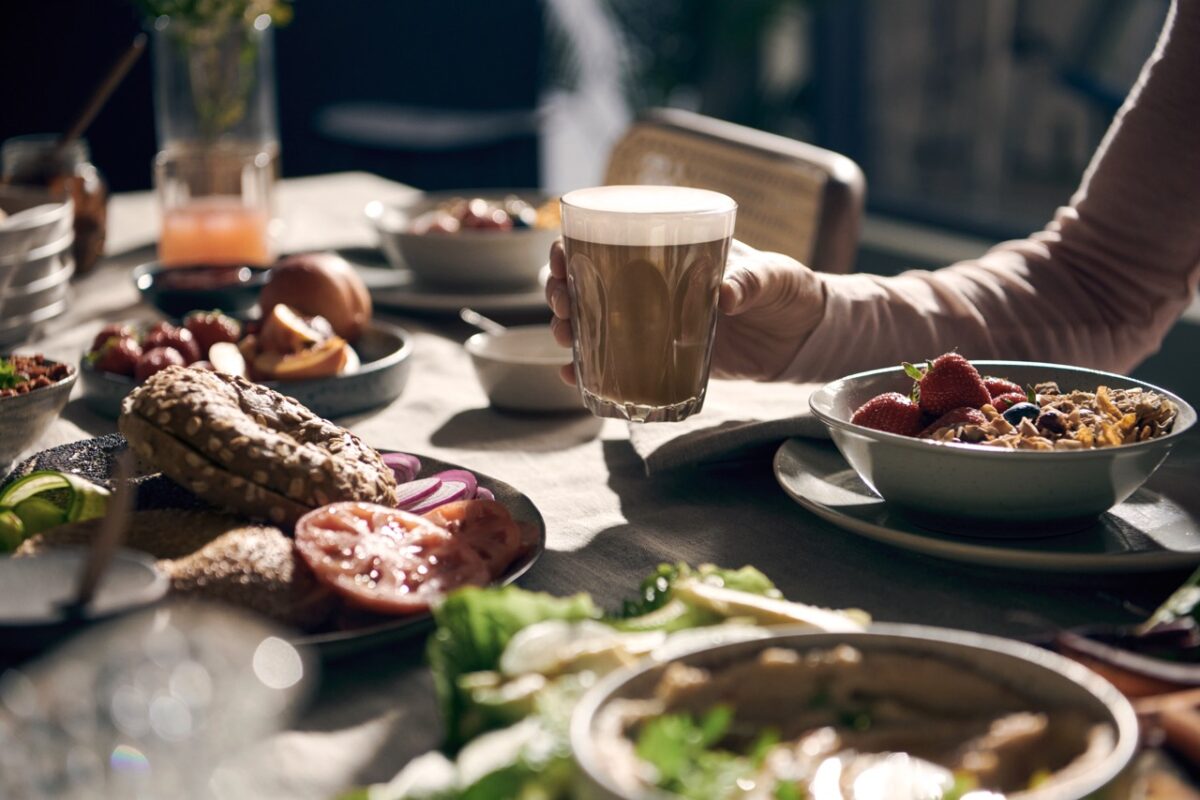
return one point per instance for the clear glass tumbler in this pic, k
(644, 266)
(216, 206)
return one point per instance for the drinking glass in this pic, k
(215, 204)
(644, 266)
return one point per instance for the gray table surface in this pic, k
(608, 524)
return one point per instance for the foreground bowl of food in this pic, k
(519, 369)
(1091, 439)
(469, 239)
(896, 712)
(33, 392)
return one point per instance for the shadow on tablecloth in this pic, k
(488, 429)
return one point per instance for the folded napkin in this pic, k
(739, 419)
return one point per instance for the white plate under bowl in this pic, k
(401, 290)
(1156, 528)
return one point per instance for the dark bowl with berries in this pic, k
(333, 371)
(1001, 448)
(476, 240)
(175, 291)
(33, 392)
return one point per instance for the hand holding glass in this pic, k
(644, 266)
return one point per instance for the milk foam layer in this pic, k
(647, 216)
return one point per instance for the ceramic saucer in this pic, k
(1157, 528)
(400, 289)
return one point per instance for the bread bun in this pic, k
(320, 284)
(246, 448)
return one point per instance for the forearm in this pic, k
(1098, 287)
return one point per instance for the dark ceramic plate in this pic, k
(95, 460)
(385, 351)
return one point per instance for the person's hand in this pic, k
(769, 305)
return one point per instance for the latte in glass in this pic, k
(644, 266)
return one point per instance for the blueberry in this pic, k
(1021, 411)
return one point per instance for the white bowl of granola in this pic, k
(1107, 434)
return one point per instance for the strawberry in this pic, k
(954, 418)
(947, 383)
(999, 386)
(1008, 400)
(891, 413)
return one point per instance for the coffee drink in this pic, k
(644, 265)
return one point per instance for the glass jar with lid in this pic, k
(40, 160)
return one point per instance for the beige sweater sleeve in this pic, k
(1099, 287)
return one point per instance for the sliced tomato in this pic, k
(385, 560)
(486, 526)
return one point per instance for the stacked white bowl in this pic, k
(36, 264)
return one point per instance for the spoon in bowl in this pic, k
(485, 324)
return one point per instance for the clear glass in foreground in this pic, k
(644, 266)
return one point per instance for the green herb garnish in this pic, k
(685, 754)
(8, 375)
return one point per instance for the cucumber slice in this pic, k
(12, 530)
(34, 483)
(75, 497)
(37, 514)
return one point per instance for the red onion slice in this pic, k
(448, 492)
(461, 476)
(484, 494)
(404, 466)
(413, 492)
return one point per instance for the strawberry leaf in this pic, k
(1030, 394)
(912, 371)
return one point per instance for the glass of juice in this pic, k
(215, 205)
(644, 266)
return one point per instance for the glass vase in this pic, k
(214, 85)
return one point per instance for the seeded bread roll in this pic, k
(255, 567)
(244, 447)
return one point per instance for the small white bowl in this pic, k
(519, 369)
(469, 259)
(1001, 492)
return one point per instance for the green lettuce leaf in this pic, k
(654, 593)
(473, 627)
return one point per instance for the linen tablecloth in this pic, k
(608, 522)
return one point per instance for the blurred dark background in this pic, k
(972, 120)
(975, 117)
(333, 61)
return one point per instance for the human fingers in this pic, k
(558, 260)
(557, 298)
(567, 373)
(769, 281)
(561, 329)
(741, 287)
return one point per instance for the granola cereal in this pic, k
(1075, 420)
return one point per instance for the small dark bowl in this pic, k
(175, 291)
